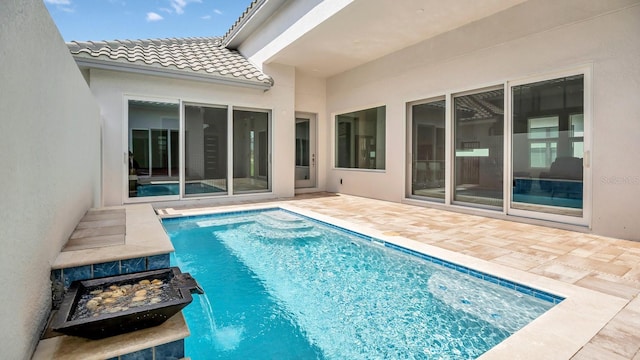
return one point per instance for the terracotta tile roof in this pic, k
(205, 56)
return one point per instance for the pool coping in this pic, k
(557, 334)
(144, 236)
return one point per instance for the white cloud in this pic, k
(151, 16)
(58, 2)
(179, 5)
(206, 17)
(219, 12)
(167, 10)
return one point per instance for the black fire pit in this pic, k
(99, 308)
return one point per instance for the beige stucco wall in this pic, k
(535, 39)
(50, 161)
(111, 88)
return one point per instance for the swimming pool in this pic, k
(283, 286)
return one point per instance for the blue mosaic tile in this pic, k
(106, 269)
(170, 351)
(158, 262)
(76, 273)
(145, 354)
(133, 265)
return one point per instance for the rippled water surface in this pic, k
(279, 286)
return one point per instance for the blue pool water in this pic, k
(281, 286)
(173, 189)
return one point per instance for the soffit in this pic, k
(366, 30)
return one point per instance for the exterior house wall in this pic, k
(50, 161)
(513, 45)
(111, 87)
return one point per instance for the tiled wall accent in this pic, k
(169, 351)
(68, 275)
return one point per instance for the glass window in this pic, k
(479, 144)
(360, 139)
(251, 151)
(153, 144)
(548, 145)
(205, 150)
(428, 149)
(543, 141)
(302, 144)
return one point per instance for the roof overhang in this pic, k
(128, 67)
(366, 30)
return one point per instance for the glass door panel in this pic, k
(305, 153)
(479, 154)
(205, 166)
(153, 148)
(428, 150)
(251, 151)
(548, 146)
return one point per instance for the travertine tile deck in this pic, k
(606, 265)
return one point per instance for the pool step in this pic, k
(223, 222)
(282, 216)
(287, 234)
(275, 223)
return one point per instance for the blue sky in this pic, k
(143, 19)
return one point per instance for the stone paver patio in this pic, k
(607, 265)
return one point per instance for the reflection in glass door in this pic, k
(548, 146)
(153, 148)
(251, 154)
(205, 158)
(305, 152)
(479, 144)
(428, 150)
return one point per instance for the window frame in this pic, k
(334, 148)
(542, 212)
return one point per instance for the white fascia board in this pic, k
(168, 73)
(250, 22)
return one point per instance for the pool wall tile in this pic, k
(106, 269)
(76, 273)
(145, 354)
(158, 262)
(133, 265)
(170, 351)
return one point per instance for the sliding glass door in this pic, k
(251, 155)
(205, 150)
(548, 133)
(459, 154)
(195, 151)
(153, 129)
(479, 144)
(428, 150)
